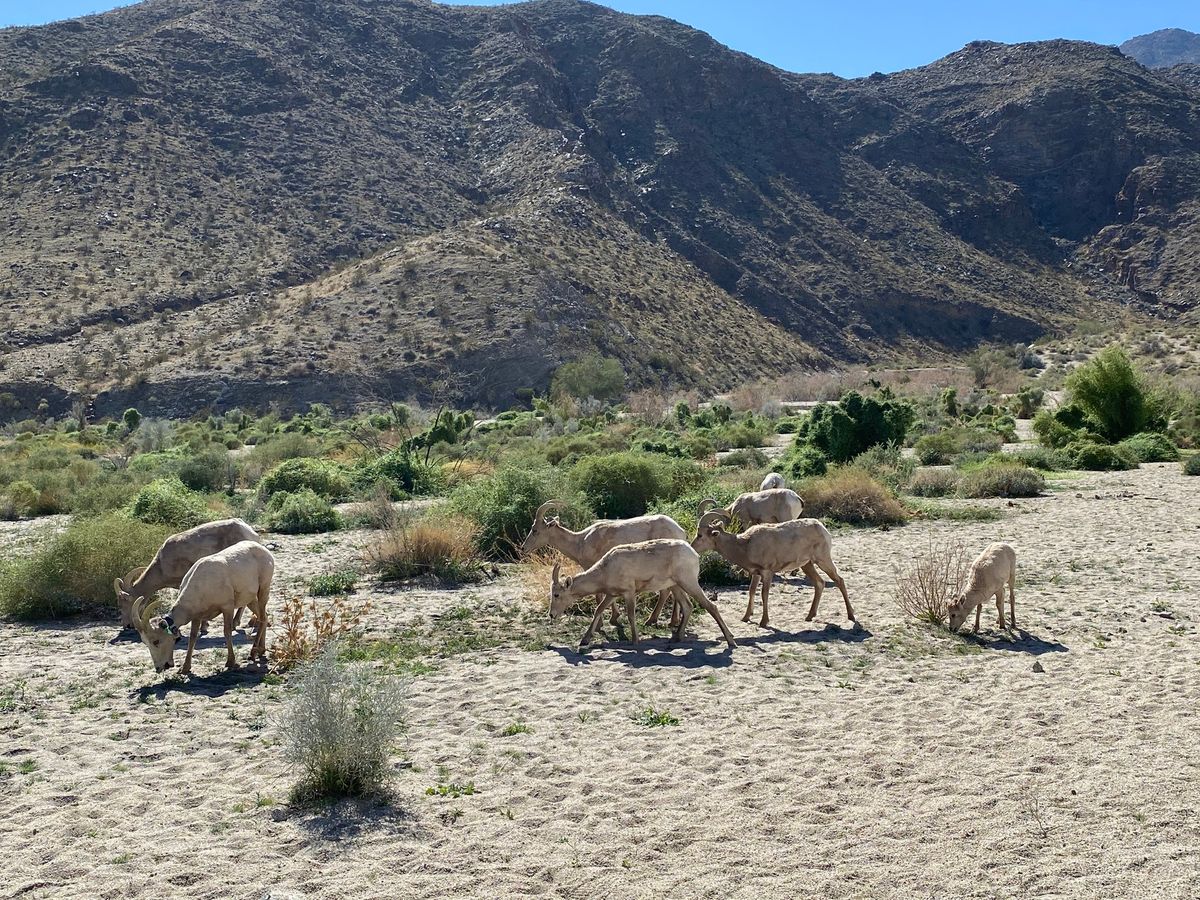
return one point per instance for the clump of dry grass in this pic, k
(932, 581)
(307, 629)
(462, 470)
(534, 576)
(852, 496)
(444, 547)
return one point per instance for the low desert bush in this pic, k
(340, 729)
(942, 447)
(746, 459)
(1191, 465)
(328, 584)
(852, 496)
(855, 424)
(933, 579)
(1001, 478)
(1044, 458)
(1150, 446)
(404, 472)
(886, 464)
(933, 483)
(804, 461)
(621, 485)
(304, 630)
(1100, 457)
(302, 512)
(76, 567)
(165, 501)
(208, 471)
(445, 548)
(320, 476)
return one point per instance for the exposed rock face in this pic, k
(255, 201)
(1164, 48)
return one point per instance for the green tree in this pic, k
(1114, 396)
(592, 375)
(132, 419)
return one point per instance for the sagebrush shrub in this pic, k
(852, 496)
(1001, 478)
(165, 501)
(1150, 446)
(302, 512)
(340, 728)
(445, 548)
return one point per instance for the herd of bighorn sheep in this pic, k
(222, 568)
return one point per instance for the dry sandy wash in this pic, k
(815, 760)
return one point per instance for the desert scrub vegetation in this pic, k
(1150, 447)
(927, 585)
(622, 485)
(942, 447)
(76, 568)
(933, 482)
(306, 629)
(1191, 465)
(1095, 457)
(444, 547)
(302, 512)
(321, 477)
(855, 424)
(851, 496)
(166, 501)
(329, 584)
(341, 729)
(1001, 478)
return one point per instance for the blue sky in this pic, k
(847, 37)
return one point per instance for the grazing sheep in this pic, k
(623, 571)
(587, 546)
(219, 584)
(995, 567)
(772, 481)
(766, 507)
(765, 550)
(174, 558)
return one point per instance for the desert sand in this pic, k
(816, 759)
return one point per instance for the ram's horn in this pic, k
(716, 518)
(706, 505)
(545, 508)
(141, 614)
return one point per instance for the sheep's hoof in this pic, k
(746, 617)
(810, 617)
(763, 623)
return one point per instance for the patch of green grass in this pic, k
(329, 584)
(452, 789)
(515, 728)
(653, 718)
(954, 512)
(27, 766)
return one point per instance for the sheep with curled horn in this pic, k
(767, 507)
(627, 569)
(587, 546)
(765, 550)
(219, 584)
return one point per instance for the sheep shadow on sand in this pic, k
(215, 685)
(1016, 641)
(854, 634)
(651, 652)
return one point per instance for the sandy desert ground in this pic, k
(815, 760)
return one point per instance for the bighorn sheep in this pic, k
(772, 481)
(656, 565)
(767, 507)
(222, 583)
(995, 567)
(587, 546)
(174, 558)
(765, 550)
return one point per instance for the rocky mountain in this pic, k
(1164, 48)
(255, 201)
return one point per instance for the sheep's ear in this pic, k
(567, 582)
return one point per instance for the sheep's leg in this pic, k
(685, 613)
(818, 584)
(237, 617)
(658, 608)
(587, 635)
(766, 592)
(631, 613)
(1000, 607)
(1012, 600)
(679, 598)
(260, 636)
(978, 609)
(754, 579)
(230, 659)
(613, 618)
(831, 570)
(697, 594)
(187, 660)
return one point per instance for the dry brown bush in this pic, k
(933, 580)
(534, 576)
(444, 547)
(308, 628)
(852, 496)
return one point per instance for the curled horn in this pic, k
(715, 518)
(540, 515)
(706, 505)
(141, 613)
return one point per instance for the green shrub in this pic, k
(302, 512)
(745, 459)
(1150, 446)
(1027, 402)
(933, 483)
(329, 584)
(503, 504)
(855, 424)
(1114, 396)
(622, 485)
(165, 501)
(1001, 478)
(683, 508)
(76, 567)
(717, 570)
(803, 461)
(592, 375)
(1044, 458)
(1191, 465)
(24, 498)
(403, 471)
(207, 471)
(942, 447)
(320, 476)
(886, 464)
(1100, 457)
(852, 496)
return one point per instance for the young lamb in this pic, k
(995, 567)
(174, 558)
(222, 583)
(587, 546)
(765, 550)
(772, 481)
(624, 571)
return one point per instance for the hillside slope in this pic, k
(261, 201)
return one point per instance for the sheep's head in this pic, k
(159, 633)
(124, 597)
(710, 524)
(543, 525)
(959, 610)
(560, 594)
